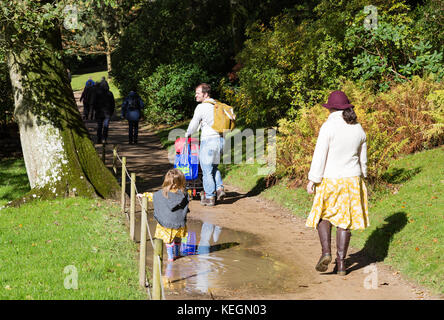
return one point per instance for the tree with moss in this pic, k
(60, 158)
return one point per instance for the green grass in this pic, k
(79, 80)
(407, 227)
(40, 239)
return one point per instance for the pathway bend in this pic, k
(283, 236)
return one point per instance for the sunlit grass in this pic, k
(79, 80)
(45, 245)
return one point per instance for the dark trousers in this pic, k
(133, 131)
(102, 129)
(86, 111)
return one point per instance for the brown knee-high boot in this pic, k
(324, 232)
(342, 242)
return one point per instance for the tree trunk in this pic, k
(108, 63)
(60, 158)
(108, 51)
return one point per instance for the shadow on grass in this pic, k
(400, 175)
(378, 243)
(16, 181)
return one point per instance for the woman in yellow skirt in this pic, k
(170, 210)
(336, 177)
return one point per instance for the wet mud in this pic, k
(220, 262)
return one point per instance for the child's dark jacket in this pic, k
(171, 212)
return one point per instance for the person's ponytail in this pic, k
(349, 116)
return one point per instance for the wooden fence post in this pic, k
(123, 184)
(142, 257)
(157, 266)
(115, 159)
(133, 206)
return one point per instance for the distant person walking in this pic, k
(132, 111)
(211, 145)
(88, 112)
(336, 177)
(90, 82)
(103, 103)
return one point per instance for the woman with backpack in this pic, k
(132, 111)
(336, 176)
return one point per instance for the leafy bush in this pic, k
(394, 50)
(286, 66)
(406, 119)
(301, 55)
(174, 32)
(169, 92)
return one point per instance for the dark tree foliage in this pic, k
(186, 35)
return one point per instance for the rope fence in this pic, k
(157, 244)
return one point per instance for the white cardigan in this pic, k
(341, 150)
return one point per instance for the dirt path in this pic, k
(280, 241)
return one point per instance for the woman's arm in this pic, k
(363, 159)
(319, 156)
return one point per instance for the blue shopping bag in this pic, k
(187, 162)
(188, 244)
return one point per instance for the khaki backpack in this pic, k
(224, 117)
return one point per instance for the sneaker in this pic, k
(220, 194)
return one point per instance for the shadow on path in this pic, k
(377, 245)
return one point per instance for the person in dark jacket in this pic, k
(132, 110)
(87, 110)
(170, 211)
(102, 100)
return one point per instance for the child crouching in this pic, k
(170, 211)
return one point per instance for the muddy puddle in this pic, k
(222, 263)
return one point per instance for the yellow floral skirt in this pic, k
(341, 201)
(168, 234)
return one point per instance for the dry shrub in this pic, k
(413, 110)
(296, 141)
(408, 118)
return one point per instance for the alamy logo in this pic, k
(371, 21)
(371, 281)
(71, 20)
(71, 280)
